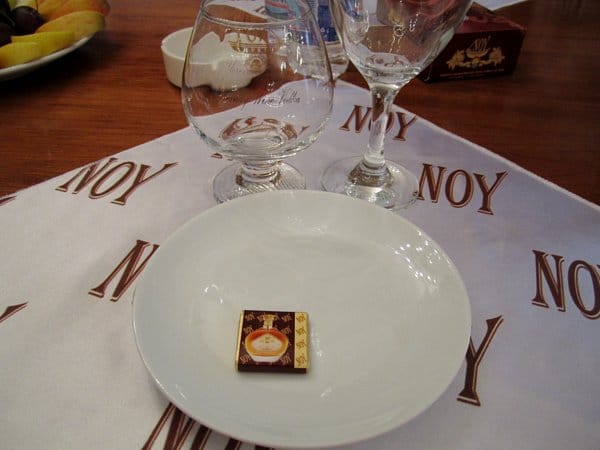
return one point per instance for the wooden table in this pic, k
(112, 94)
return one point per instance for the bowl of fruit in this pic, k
(36, 32)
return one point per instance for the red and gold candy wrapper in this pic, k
(485, 44)
(272, 341)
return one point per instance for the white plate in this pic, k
(23, 69)
(389, 317)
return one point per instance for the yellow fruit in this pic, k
(101, 6)
(49, 41)
(81, 23)
(46, 7)
(19, 53)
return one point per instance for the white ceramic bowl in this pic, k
(218, 62)
(173, 48)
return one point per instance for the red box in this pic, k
(485, 44)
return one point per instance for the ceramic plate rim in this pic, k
(9, 73)
(244, 432)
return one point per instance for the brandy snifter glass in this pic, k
(257, 89)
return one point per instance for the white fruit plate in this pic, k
(23, 69)
(389, 318)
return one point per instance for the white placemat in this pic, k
(73, 246)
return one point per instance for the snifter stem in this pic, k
(257, 173)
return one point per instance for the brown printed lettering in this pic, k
(88, 175)
(554, 283)
(450, 183)
(554, 280)
(573, 276)
(178, 431)
(434, 184)
(401, 136)
(98, 191)
(106, 180)
(139, 180)
(360, 120)
(12, 310)
(474, 358)
(486, 203)
(131, 266)
(455, 197)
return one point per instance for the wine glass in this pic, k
(389, 42)
(257, 88)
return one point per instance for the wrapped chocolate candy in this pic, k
(272, 341)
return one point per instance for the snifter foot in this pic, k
(237, 180)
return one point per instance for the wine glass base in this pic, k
(229, 183)
(399, 193)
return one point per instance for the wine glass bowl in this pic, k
(257, 89)
(389, 42)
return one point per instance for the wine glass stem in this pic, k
(372, 170)
(382, 98)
